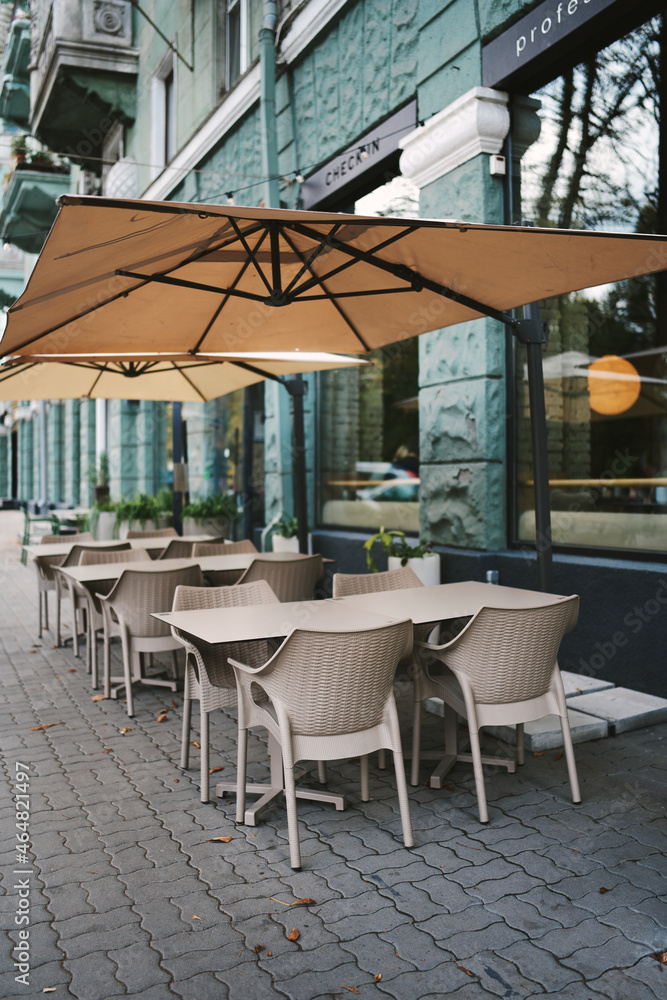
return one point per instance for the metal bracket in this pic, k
(531, 331)
(295, 386)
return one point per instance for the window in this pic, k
(163, 118)
(596, 165)
(243, 22)
(369, 419)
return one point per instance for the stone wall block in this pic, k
(404, 57)
(352, 56)
(463, 420)
(376, 66)
(494, 13)
(447, 83)
(466, 350)
(304, 98)
(463, 504)
(327, 96)
(447, 34)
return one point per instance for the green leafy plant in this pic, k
(220, 505)
(142, 508)
(102, 505)
(98, 475)
(395, 544)
(287, 527)
(19, 146)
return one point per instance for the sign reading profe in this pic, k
(366, 153)
(530, 37)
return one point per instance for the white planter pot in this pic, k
(281, 544)
(162, 522)
(216, 527)
(105, 527)
(427, 568)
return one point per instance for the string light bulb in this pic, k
(299, 176)
(230, 197)
(364, 153)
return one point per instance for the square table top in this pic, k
(64, 548)
(421, 604)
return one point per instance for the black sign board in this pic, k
(345, 169)
(554, 36)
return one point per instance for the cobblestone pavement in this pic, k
(130, 896)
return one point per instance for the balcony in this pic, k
(84, 76)
(29, 204)
(15, 85)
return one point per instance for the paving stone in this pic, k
(138, 967)
(92, 976)
(546, 733)
(576, 684)
(499, 976)
(624, 709)
(540, 966)
(593, 961)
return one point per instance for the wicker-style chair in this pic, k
(177, 549)
(64, 585)
(94, 619)
(350, 584)
(330, 695)
(80, 536)
(223, 577)
(44, 565)
(155, 533)
(289, 579)
(208, 676)
(127, 612)
(501, 669)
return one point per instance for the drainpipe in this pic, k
(267, 102)
(43, 488)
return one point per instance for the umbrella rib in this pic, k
(195, 285)
(17, 369)
(251, 253)
(418, 281)
(308, 260)
(337, 307)
(220, 307)
(350, 263)
(99, 376)
(354, 295)
(189, 381)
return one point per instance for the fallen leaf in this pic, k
(195, 917)
(36, 729)
(258, 948)
(660, 956)
(269, 954)
(195, 744)
(377, 977)
(70, 670)
(98, 697)
(212, 770)
(107, 751)
(125, 729)
(32, 650)
(558, 756)
(450, 788)
(224, 840)
(306, 901)
(174, 703)
(468, 847)
(352, 989)
(91, 872)
(540, 754)
(603, 890)
(467, 971)
(293, 935)
(161, 718)
(176, 780)
(49, 989)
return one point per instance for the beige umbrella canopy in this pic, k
(190, 279)
(183, 278)
(184, 379)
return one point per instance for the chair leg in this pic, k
(203, 767)
(292, 819)
(382, 759)
(322, 772)
(479, 774)
(46, 609)
(174, 664)
(40, 594)
(416, 739)
(127, 671)
(403, 803)
(569, 756)
(241, 764)
(107, 665)
(75, 630)
(187, 718)
(365, 783)
(520, 754)
(58, 637)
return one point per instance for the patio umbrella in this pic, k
(178, 379)
(187, 278)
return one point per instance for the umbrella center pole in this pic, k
(297, 390)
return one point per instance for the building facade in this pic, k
(506, 112)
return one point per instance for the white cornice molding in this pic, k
(475, 123)
(303, 30)
(306, 26)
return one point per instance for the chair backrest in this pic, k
(94, 557)
(509, 655)
(221, 548)
(336, 682)
(46, 564)
(215, 656)
(289, 579)
(137, 593)
(177, 549)
(81, 536)
(348, 584)
(73, 558)
(158, 533)
(215, 539)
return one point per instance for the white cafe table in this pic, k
(271, 621)
(421, 604)
(150, 544)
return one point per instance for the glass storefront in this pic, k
(597, 166)
(368, 448)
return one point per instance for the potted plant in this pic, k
(400, 552)
(98, 477)
(210, 515)
(144, 511)
(19, 148)
(285, 534)
(102, 519)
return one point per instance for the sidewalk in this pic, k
(129, 895)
